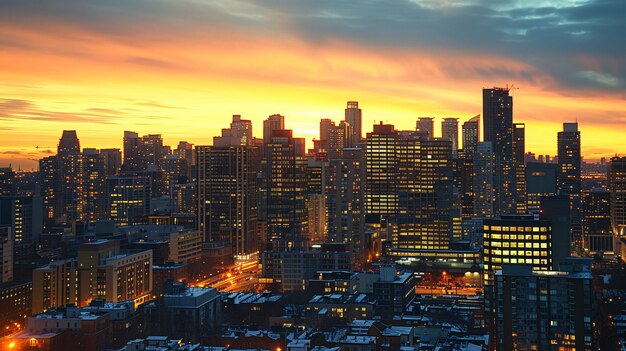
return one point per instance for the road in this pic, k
(239, 277)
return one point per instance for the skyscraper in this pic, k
(483, 185)
(381, 198)
(131, 151)
(285, 167)
(50, 189)
(556, 210)
(354, 118)
(227, 191)
(184, 150)
(73, 183)
(519, 150)
(112, 161)
(540, 181)
(6, 253)
(426, 125)
(544, 310)
(24, 214)
(471, 136)
(513, 239)
(128, 199)
(91, 205)
(346, 202)
(617, 186)
(239, 133)
(272, 123)
(338, 139)
(498, 129)
(424, 191)
(450, 131)
(568, 178)
(597, 221)
(316, 216)
(325, 124)
(68, 144)
(7, 181)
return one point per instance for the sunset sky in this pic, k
(181, 68)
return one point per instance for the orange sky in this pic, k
(186, 83)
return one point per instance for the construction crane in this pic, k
(43, 147)
(512, 87)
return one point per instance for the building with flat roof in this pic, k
(544, 310)
(184, 312)
(393, 292)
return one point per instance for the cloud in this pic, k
(23, 110)
(546, 35)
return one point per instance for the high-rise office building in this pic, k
(598, 236)
(381, 198)
(140, 152)
(426, 125)
(483, 186)
(50, 189)
(184, 150)
(345, 193)
(112, 161)
(73, 183)
(556, 210)
(334, 138)
(338, 139)
(68, 144)
(174, 171)
(239, 132)
(471, 136)
(132, 144)
(227, 191)
(285, 166)
(513, 239)
(548, 310)
(464, 174)
(568, 178)
(517, 239)
(325, 125)
(519, 151)
(540, 181)
(7, 244)
(128, 200)
(24, 214)
(317, 175)
(151, 151)
(272, 123)
(353, 116)
(498, 129)
(424, 186)
(316, 215)
(617, 186)
(90, 173)
(465, 166)
(450, 131)
(7, 181)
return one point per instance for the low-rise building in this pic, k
(65, 328)
(393, 292)
(339, 309)
(184, 312)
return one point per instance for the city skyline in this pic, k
(182, 69)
